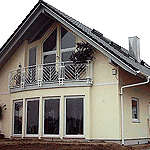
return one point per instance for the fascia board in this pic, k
(89, 40)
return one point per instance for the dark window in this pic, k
(51, 116)
(68, 40)
(32, 56)
(74, 116)
(32, 117)
(134, 109)
(50, 43)
(18, 117)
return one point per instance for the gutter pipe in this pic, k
(122, 115)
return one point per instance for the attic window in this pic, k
(50, 43)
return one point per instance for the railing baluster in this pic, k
(88, 69)
(22, 78)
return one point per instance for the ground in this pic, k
(6, 144)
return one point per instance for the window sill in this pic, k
(136, 121)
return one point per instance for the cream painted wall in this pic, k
(134, 130)
(12, 64)
(105, 100)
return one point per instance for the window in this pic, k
(74, 116)
(32, 68)
(51, 116)
(68, 44)
(135, 109)
(32, 116)
(49, 48)
(18, 108)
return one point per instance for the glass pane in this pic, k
(50, 58)
(74, 116)
(134, 109)
(32, 56)
(51, 116)
(18, 117)
(68, 40)
(32, 117)
(66, 55)
(50, 43)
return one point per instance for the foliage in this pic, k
(84, 51)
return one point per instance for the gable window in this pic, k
(31, 72)
(135, 109)
(68, 44)
(49, 48)
(17, 125)
(74, 116)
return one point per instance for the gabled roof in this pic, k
(40, 18)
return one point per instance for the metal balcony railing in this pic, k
(60, 73)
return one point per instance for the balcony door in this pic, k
(32, 118)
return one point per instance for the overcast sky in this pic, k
(116, 19)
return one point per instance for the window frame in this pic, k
(31, 135)
(52, 135)
(15, 101)
(138, 115)
(65, 114)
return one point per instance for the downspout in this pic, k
(122, 115)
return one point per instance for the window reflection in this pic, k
(68, 40)
(18, 117)
(74, 116)
(51, 116)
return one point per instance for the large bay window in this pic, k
(17, 124)
(74, 116)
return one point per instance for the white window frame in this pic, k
(31, 135)
(74, 136)
(52, 135)
(15, 101)
(137, 100)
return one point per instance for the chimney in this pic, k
(134, 47)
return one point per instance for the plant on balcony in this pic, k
(84, 51)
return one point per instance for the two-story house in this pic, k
(48, 96)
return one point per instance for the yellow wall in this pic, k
(104, 101)
(134, 130)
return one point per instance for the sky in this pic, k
(115, 19)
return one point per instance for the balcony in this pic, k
(51, 75)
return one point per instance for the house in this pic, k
(47, 96)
